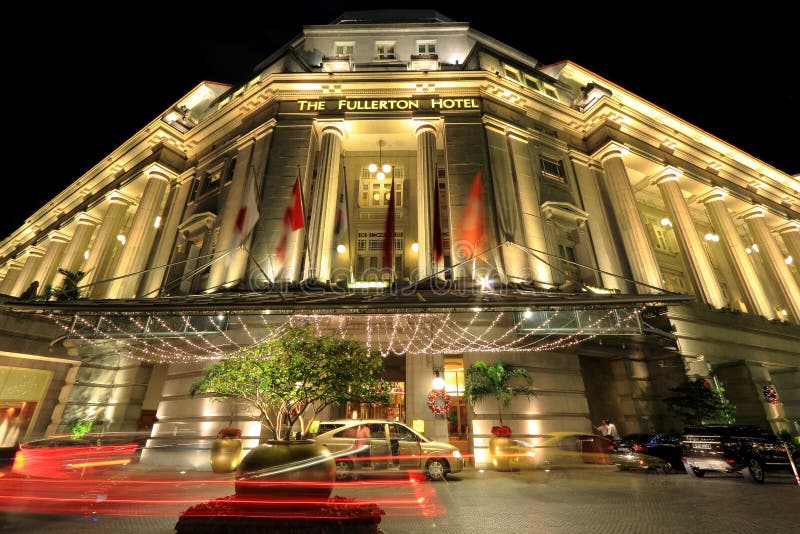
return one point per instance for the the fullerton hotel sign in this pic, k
(388, 104)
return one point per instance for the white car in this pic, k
(374, 445)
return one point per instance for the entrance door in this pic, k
(406, 449)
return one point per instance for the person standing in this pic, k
(607, 429)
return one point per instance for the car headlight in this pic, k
(456, 454)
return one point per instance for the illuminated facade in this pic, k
(584, 184)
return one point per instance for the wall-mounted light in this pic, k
(755, 248)
(157, 222)
(86, 255)
(415, 247)
(438, 381)
(341, 249)
(666, 222)
(121, 239)
(788, 260)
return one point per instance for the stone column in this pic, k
(51, 260)
(218, 274)
(600, 223)
(426, 177)
(695, 256)
(749, 283)
(103, 245)
(776, 264)
(325, 199)
(790, 232)
(14, 268)
(641, 258)
(73, 257)
(32, 260)
(154, 278)
(140, 237)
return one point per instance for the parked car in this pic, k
(68, 457)
(362, 446)
(648, 451)
(735, 448)
(543, 451)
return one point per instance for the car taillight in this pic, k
(639, 448)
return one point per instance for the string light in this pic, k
(386, 334)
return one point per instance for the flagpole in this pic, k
(347, 216)
(306, 244)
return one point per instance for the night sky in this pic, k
(76, 90)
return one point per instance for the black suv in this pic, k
(733, 448)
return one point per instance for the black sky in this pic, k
(78, 84)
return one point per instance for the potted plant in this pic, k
(500, 382)
(290, 375)
(226, 450)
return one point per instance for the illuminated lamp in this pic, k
(438, 381)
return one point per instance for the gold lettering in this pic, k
(414, 104)
(342, 104)
(384, 103)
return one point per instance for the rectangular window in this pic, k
(512, 73)
(550, 91)
(375, 193)
(426, 47)
(533, 83)
(344, 48)
(384, 50)
(553, 169)
(229, 170)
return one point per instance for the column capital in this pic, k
(788, 228)
(580, 157)
(55, 235)
(713, 195)
(425, 127)
(610, 150)
(85, 218)
(185, 176)
(158, 172)
(34, 251)
(115, 195)
(331, 127)
(666, 175)
(752, 212)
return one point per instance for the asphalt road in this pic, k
(572, 500)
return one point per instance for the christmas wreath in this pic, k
(438, 401)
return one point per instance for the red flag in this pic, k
(247, 216)
(388, 232)
(292, 219)
(438, 247)
(472, 223)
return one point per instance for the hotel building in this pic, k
(623, 249)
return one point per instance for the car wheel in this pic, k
(622, 468)
(697, 473)
(754, 471)
(436, 469)
(344, 470)
(667, 468)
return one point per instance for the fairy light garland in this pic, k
(385, 334)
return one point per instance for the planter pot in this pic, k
(225, 453)
(287, 469)
(500, 453)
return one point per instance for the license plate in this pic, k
(706, 446)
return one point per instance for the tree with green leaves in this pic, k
(70, 290)
(295, 372)
(499, 381)
(696, 401)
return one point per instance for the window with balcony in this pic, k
(344, 48)
(426, 47)
(384, 50)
